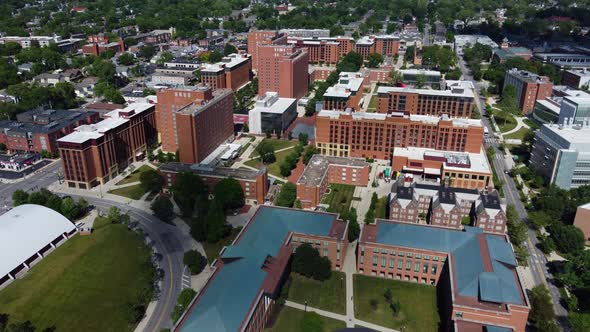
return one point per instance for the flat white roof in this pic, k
(413, 117)
(273, 104)
(478, 161)
(346, 81)
(420, 71)
(25, 230)
(229, 61)
(457, 92)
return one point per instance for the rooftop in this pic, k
(432, 119)
(452, 91)
(470, 251)
(43, 120)
(317, 168)
(236, 173)
(196, 108)
(228, 62)
(568, 136)
(460, 161)
(241, 273)
(527, 76)
(348, 83)
(272, 103)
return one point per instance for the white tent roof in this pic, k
(25, 230)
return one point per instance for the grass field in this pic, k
(373, 102)
(505, 121)
(339, 198)
(134, 176)
(518, 134)
(84, 285)
(418, 310)
(273, 168)
(277, 144)
(531, 124)
(329, 295)
(212, 249)
(289, 320)
(133, 192)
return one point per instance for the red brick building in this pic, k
(529, 88)
(456, 102)
(194, 121)
(319, 73)
(97, 49)
(263, 37)
(474, 272)
(321, 171)
(98, 39)
(39, 130)
(324, 50)
(347, 93)
(371, 135)
(256, 265)
(232, 72)
(386, 45)
(582, 220)
(94, 154)
(283, 69)
(254, 182)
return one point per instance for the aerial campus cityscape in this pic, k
(257, 165)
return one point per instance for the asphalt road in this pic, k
(166, 239)
(536, 260)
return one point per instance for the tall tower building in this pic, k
(283, 69)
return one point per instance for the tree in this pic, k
(297, 204)
(229, 49)
(70, 209)
(287, 195)
(466, 220)
(165, 57)
(216, 222)
(230, 194)
(420, 80)
(188, 189)
(580, 322)
(353, 226)
(182, 302)
(20, 197)
(312, 322)
(509, 102)
(126, 59)
(310, 151)
(147, 51)
(266, 150)
(163, 208)
(195, 261)
(568, 239)
(388, 295)
(215, 57)
(308, 262)
(3, 147)
(54, 202)
(395, 77)
(303, 138)
(541, 315)
(25, 326)
(374, 60)
(37, 198)
(151, 180)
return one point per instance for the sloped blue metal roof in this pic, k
(229, 295)
(472, 280)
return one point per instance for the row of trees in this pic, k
(8, 325)
(67, 206)
(517, 232)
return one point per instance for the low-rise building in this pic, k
(38, 130)
(256, 265)
(321, 171)
(462, 41)
(347, 93)
(576, 79)
(564, 60)
(97, 49)
(431, 77)
(272, 114)
(94, 154)
(319, 73)
(172, 79)
(232, 72)
(561, 154)
(254, 183)
(474, 272)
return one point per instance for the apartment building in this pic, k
(255, 267)
(457, 102)
(319, 73)
(489, 214)
(194, 120)
(474, 272)
(97, 49)
(272, 114)
(232, 72)
(321, 171)
(386, 45)
(254, 183)
(38, 130)
(456, 169)
(283, 69)
(576, 78)
(263, 37)
(306, 33)
(347, 93)
(529, 88)
(94, 154)
(324, 50)
(373, 135)
(561, 154)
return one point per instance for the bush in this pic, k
(163, 208)
(195, 261)
(287, 196)
(546, 245)
(184, 299)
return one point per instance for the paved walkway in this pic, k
(519, 124)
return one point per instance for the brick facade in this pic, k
(283, 69)
(455, 103)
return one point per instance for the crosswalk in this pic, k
(186, 278)
(489, 140)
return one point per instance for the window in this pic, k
(426, 257)
(374, 260)
(391, 263)
(383, 261)
(384, 251)
(317, 242)
(410, 255)
(416, 267)
(400, 254)
(325, 243)
(325, 251)
(425, 268)
(400, 263)
(435, 258)
(408, 265)
(418, 256)
(434, 266)
(392, 252)
(375, 251)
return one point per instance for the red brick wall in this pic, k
(238, 76)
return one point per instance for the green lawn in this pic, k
(85, 284)
(531, 124)
(505, 121)
(518, 134)
(212, 249)
(373, 102)
(380, 208)
(339, 198)
(134, 176)
(418, 310)
(134, 192)
(273, 168)
(329, 295)
(277, 143)
(289, 320)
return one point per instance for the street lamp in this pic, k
(341, 282)
(305, 306)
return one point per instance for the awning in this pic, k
(411, 169)
(432, 171)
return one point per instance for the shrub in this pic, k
(308, 262)
(195, 261)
